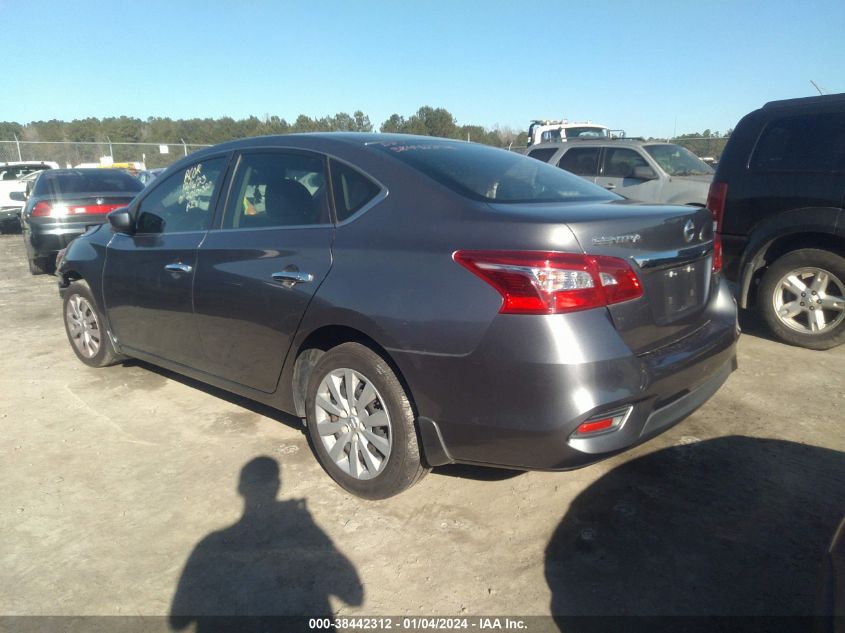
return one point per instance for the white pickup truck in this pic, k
(12, 177)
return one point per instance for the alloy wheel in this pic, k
(810, 300)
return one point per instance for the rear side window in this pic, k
(277, 189)
(582, 161)
(802, 143)
(58, 183)
(543, 154)
(486, 174)
(352, 190)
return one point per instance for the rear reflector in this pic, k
(604, 423)
(549, 282)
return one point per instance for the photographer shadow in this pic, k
(275, 561)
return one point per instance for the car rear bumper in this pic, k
(49, 239)
(518, 399)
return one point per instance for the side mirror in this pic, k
(644, 172)
(17, 196)
(121, 221)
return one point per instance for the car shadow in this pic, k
(724, 527)
(476, 473)
(241, 401)
(274, 561)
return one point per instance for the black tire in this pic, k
(105, 354)
(37, 265)
(403, 466)
(805, 260)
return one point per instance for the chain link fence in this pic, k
(75, 153)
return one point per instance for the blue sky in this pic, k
(648, 67)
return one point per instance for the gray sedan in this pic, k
(417, 301)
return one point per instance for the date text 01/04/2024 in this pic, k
(417, 623)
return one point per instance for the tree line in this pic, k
(427, 121)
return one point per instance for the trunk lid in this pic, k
(670, 250)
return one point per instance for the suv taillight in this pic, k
(716, 205)
(540, 282)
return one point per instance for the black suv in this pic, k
(777, 198)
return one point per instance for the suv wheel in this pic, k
(802, 298)
(86, 329)
(360, 423)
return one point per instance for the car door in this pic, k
(617, 174)
(148, 275)
(258, 270)
(581, 161)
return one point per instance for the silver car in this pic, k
(639, 170)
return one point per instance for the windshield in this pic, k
(59, 182)
(492, 175)
(678, 161)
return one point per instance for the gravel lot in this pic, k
(113, 478)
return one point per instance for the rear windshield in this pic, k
(55, 182)
(492, 175)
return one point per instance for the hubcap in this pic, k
(353, 423)
(83, 326)
(810, 300)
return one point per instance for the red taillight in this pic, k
(716, 205)
(716, 202)
(717, 252)
(539, 282)
(41, 209)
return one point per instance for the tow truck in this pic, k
(557, 131)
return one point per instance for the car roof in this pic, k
(820, 100)
(636, 142)
(309, 138)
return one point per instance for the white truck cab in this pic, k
(557, 131)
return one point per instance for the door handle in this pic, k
(610, 186)
(178, 268)
(289, 278)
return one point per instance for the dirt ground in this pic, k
(113, 478)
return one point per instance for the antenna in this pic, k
(816, 86)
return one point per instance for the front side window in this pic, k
(582, 161)
(487, 174)
(678, 161)
(802, 143)
(182, 202)
(273, 189)
(352, 190)
(620, 162)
